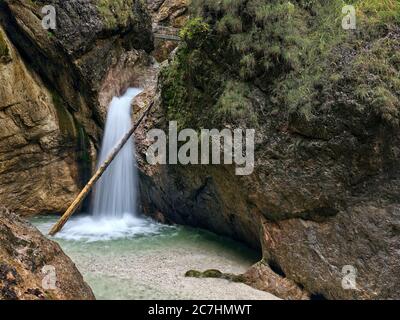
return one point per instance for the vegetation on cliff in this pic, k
(121, 13)
(296, 52)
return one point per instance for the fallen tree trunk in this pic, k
(82, 195)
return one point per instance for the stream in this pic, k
(141, 259)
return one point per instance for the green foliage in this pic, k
(234, 104)
(378, 12)
(263, 36)
(376, 78)
(295, 51)
(185, 84)
(195, 30)
(115, 12)
(251, 40)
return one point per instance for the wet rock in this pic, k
(25, 255)
(40, 152)
(354, 255)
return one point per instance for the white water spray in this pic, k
(115, 192)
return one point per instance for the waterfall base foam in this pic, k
(91, 229)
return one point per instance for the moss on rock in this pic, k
(120, 13)
(193, 274)
(65, 119)
(213, 273)
(4, 51)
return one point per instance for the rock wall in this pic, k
(172, 13)
(27, 257)
(39, 142)
(325, 193)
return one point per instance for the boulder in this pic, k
(33, 267)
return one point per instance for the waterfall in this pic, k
(113, 212)
(115, 192)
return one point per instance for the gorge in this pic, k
(324, 103)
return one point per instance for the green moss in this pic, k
(185, 83)
(115, 12)
(83, 155)
(213, 273)
(4, 52)
(65, 119)
(193, 274)
(74, 134)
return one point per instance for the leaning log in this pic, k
(82, 195)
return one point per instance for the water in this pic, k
(90, 229)
(151, 264)
(114, 209)
(115, 192)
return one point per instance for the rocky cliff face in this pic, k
(325, 191)
(28, 261)
(171, 15)
(39, 146)
(56, 86)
